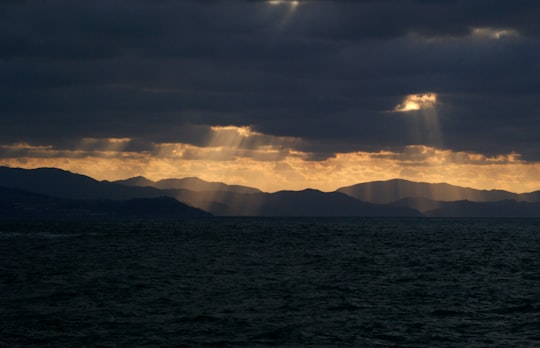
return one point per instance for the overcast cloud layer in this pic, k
(330, 74)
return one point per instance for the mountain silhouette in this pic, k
(383, 192)
(160, 206)
(135, 181)
(191, 183)
(506, 208)
(287, 203)
(60, 183)
(311, 202)
(15, 202)
(58, 190)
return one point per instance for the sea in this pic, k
(270, 282)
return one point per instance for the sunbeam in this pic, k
(427, 130)
(292, 6)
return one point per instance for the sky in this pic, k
(274, 94)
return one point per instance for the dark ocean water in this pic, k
(270, 282)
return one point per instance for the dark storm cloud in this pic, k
(329, 72)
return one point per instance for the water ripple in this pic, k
(270, 282)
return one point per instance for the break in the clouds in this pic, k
(416, 102)
(309, 79)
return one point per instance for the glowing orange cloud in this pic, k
(415, 102)
(276, 167)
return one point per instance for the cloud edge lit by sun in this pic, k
(416, 102)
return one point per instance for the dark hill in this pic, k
(61, 183)
(136, 181)
(79, 194)
(14, 202)
(192, 184)
(160, 206)
(287, 203)
(507, 209)
(383, 192)
(316, 203)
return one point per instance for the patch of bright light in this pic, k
(292, 3)
(243, 131)
(415, 102)
(103, 144)
(494, 33)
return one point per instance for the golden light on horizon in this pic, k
(271, 168)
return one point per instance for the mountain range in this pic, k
(51, 191)
(14, 202)
(383, 192)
